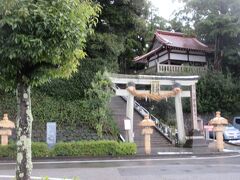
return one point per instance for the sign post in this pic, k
(51, 134)
(127, 127)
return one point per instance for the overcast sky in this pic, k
(166, 7)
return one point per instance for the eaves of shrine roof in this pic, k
(180, 40)
(142, 59)
(174, 40)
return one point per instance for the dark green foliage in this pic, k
(40, 149)
(217, 23)
(40, 41)
(64, 113)
(94, 148)
(126, 149)
(72, 114)
(216, 91)
(43, 39)
(46, 109)
(96, 105)
(93, 111)
(102, 52)
(8, 104)
(164, 110)
(119, 31)
(9, 151)
(80, 148)
(86, 148)
(123, 25)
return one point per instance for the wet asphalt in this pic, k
(178, 167)
(167, 164)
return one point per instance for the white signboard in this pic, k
(127, 124)
(51, 133)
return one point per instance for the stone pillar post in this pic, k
(179, 117)
(219, 124)
(194, 107)
(5, 129)
(219, 137)
(146, 123)
(4, 136)
(147, 139)
(129, 113)
(4, 140)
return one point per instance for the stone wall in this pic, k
(67, 134)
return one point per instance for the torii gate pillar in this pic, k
(194, 107)
(179, 118)
(165, 80)
(129, 113)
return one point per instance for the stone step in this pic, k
(118, 107)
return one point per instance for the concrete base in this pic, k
(196, 141)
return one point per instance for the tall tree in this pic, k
(118, 38)
(97, 104)
(125, 22)
(40, 40)
(217, 22)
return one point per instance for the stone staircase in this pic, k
(118, 107)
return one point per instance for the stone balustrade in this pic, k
(165, 68)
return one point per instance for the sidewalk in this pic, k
(204, 150)
(156, 153)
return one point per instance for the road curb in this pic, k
(166, 155)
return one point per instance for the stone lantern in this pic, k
(5, 129)
(146, 123)
(219, 124)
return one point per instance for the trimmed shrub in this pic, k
(40, 149)
(8, 151)
(80, 148)
(94, 148)
(126, 149)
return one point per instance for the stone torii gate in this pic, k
(189, 81)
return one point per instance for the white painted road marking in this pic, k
(172, 153)
(127, 160)
(34, 177)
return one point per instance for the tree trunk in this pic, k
(215, 64)
(218, 55)
(24, 132)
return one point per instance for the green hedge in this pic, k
(94, 148)
(126, 149)
(80, 148)
(39, 149)
(8, 151)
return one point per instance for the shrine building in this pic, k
(174, 52)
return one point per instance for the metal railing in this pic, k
(164, 129)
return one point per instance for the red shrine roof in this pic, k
(175, 40)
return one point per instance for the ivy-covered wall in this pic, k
(70, 117)
(88, 114)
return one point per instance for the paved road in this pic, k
(189, 168)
